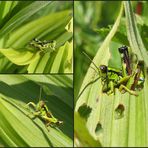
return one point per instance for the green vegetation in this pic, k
(113, 119)
(21, 22)
(19, 127)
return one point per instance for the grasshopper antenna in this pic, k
(91, 81)
(90, 59)
(40, 93)
(87, 86)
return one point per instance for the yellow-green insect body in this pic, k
(127, 80)
(43, 46)
(41, 111)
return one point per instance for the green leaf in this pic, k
(19, 57)
(51, 22)
(5, 8)
(69, 60)
(61, 58)
(21, 16)
(82, 135)
(134, 37)
(131, 128)
(91, 95)
(28, 21)
(100, 58)
(6, 65)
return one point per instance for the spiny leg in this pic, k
(46, 125)
(128, 90)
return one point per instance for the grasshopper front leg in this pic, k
(35, 113)
(32, 104)
(112, 88)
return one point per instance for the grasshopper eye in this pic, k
(103, 68)
(35, 39)
(60, 122)
(123, 49)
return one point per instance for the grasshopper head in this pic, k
(41, 105)
(123, 49)
(59, 122)
(53, 44)
(103, 68)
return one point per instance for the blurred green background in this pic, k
(92, 22)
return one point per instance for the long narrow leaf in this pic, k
(25, 13)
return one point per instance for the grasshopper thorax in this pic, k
(123, 49)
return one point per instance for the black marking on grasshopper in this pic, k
(125, 57)
(139, 70)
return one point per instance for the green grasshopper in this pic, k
(130, 79)
(41, 111)
(124, 80)
(43, 46)
(109, 76)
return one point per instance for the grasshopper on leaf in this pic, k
(41, 110)
(127, 80)
(43, 46)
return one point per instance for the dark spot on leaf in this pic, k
(98, 129)
(97, 100)
(84, 111)
(119, 111)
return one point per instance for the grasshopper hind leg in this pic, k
(122, 87)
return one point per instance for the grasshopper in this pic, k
(41, 111)
(130, 79)
(125, 80)
(109, 76)
(43, 46)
